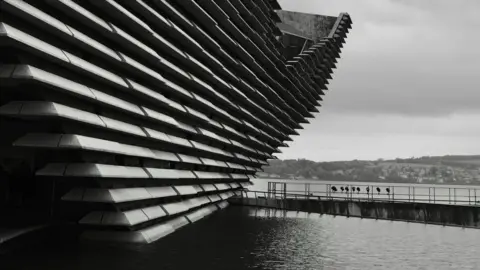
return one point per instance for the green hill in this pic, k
(438, 169)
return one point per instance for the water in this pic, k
(440, 194)
(251, 238)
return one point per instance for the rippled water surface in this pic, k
(249, 238)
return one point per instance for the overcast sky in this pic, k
(407, 83)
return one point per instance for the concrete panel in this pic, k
(6, 71)
(223, 205)
(92, 218)
(75, 194)
(179, 141)
(162, 155)
(170, 174)
(156, 232)
(122, 126)
(148, 71)
(96, 195)
(122, 34)
(196, 215)
(208, 187)
(134, 216)
(113, 219)
(151, 13)
(186, 190)
(189, 159)
(104, 171)
(36, 13)
(224, 196)
(94, 44)
(212, 162)
(125, 14)
(147, 91)
(161, 192)
(83, 142)
(192, 203)
(160, 117)
(129, 194)
(236, 166)
(245, 184)
(222, 186)
(234, 185)
(237, 176)
(154, 212)
(33, 73)
(211, 175)
(40, 108)
(214, 198)
(116, 102)
(157, 135)
(160, 40)
(203, 200)
(38, 140)
(52, 169)
(174, 208)
(32, 42)
(178, 222)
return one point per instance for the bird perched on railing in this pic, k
(342, 189)
(378, 190)
(346, 189)
(358, 190)
(368, 190)
(387, 190)
(334, 188)
(353, 189)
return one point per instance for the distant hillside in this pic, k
(442, 169)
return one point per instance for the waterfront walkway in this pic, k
(435, 205)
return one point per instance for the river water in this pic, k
(253, 238)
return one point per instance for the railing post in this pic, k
(454, 195)
(413, 194)
(434, 195)
(449, 196)
(469, 201)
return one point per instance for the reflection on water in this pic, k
(249, 238)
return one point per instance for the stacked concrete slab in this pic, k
(147, 115)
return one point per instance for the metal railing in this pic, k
(336, 191)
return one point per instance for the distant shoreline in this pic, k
(356, 181)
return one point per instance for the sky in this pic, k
(407, 83)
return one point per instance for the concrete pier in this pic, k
(467, 216)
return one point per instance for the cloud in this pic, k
(407, 57)
(407, 84)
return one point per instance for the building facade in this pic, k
(134, 118)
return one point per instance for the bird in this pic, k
(368, 190)
(346, 189)
(358, 190)
(378, 190)
(342, 189)
(334, 189)
(388, 190)
(353, 189)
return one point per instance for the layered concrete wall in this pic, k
(138, 117)
(449, 215)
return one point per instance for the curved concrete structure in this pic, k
(135, 118)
